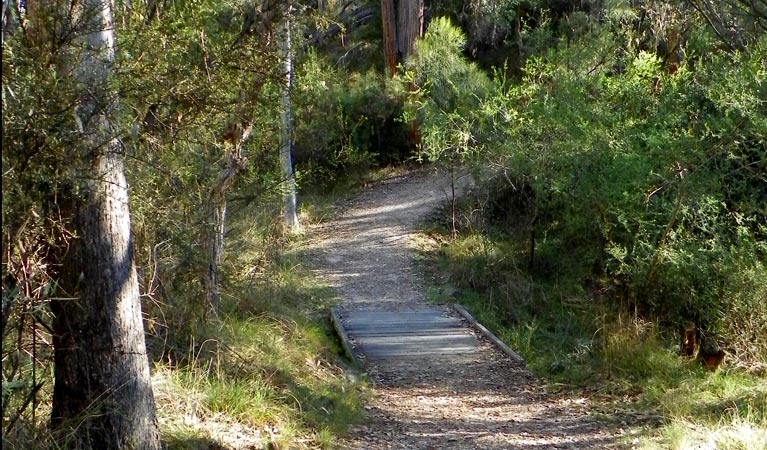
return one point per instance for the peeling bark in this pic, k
(409, 26)
(389, 35)
(234, 139)
(402, 25)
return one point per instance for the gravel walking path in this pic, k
(471, 400)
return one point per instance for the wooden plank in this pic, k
(417, 338)
(489, 335)
(396, 317)
(440, 333)
(335, 317)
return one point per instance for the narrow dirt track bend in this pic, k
(477, 399)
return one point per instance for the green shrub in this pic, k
(344, 121)
(444, 88)
(645, 184)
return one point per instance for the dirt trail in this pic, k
(482, 400)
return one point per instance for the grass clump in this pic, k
(277, 373)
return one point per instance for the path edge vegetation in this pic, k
(566, 251)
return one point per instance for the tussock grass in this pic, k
(580, 342)
(269, 372)
(735, 434)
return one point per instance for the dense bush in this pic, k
(346, 121)
(654, 180)
(444, 89)
(642, 179)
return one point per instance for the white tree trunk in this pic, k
(6, 21)
(286, 134)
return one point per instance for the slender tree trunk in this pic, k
(494, 29)
(102, 393)
(234, 140)
(215, 251)
(286, 134)
(6, 20)
(518, 36)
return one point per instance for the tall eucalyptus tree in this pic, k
(102, 396)
(286, 120)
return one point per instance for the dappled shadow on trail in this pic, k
(438, 432)
(474, 401)
(471, 396)
(365, 253)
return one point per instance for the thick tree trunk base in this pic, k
(102, 394)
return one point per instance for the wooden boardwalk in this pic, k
(369, 335)
(378, 334)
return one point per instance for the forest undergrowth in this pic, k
(267, 373)
(615, 236)
(271, 364)
(581, 342)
